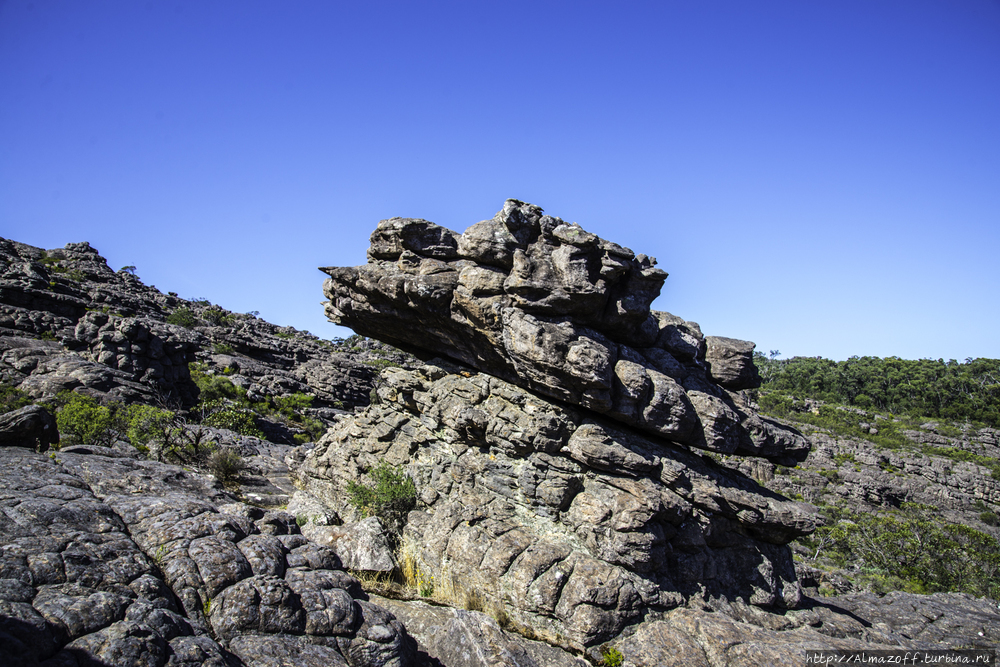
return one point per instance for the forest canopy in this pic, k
(968, 390)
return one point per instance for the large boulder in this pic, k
(549, 307)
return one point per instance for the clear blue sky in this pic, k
(821, 177)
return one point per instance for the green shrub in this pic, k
(611, 657)
(145, 424)
(222, 414)
(86, 421)
(222, 348)
(12, 398)
(226, 464)
(292, 404)
(390, 496)
(214, 387)
(184, 317)
(217, 317)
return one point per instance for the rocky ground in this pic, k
(592, 482)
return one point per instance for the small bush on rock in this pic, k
(232, 417)
(12, 398)
(611, 657)
(226, 465)
(218, 317)
(184, 317)
(214, 387)
(86, 421)
(145, 424)
(391, 495)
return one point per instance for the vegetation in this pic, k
(226, 465)
(184, 317)
(390, 496)
(909, 549)
(966, 391)
(86, 421)
(145, 424)
(218, 317)
(611, 657)
(12, 398)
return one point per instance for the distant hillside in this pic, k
(904, 470)
(959, 391)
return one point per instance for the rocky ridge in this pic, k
(69, 322)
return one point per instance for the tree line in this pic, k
(960, 391)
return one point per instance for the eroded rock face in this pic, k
(121, 562)
(547, 306)
(70, 323)
(574, 523)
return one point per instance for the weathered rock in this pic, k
(730, 362)
(462, 638)
(117, 561)
(545, 305)
(362, 546)
(688, 637)
(30, 426)
(573, 522)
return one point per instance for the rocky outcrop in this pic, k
(549, 307)
(31, 426)
(125, 562)
(553, 462)
(68, 322)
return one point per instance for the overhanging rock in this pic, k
(545, 305)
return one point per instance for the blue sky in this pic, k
(822, 178)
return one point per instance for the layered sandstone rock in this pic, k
(547, 306)
(554, 460)
(575, 524)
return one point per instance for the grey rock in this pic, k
(30, 426)
(362, 546)
(461, 638)
(549, 307)
(572, 522)
(730, 362)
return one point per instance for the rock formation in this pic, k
(554, 462)
(68, 322)
(543, 304)
(564, 514)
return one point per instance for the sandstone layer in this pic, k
(549, 307)
(575, 524)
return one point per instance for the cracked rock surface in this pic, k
(124, 562)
